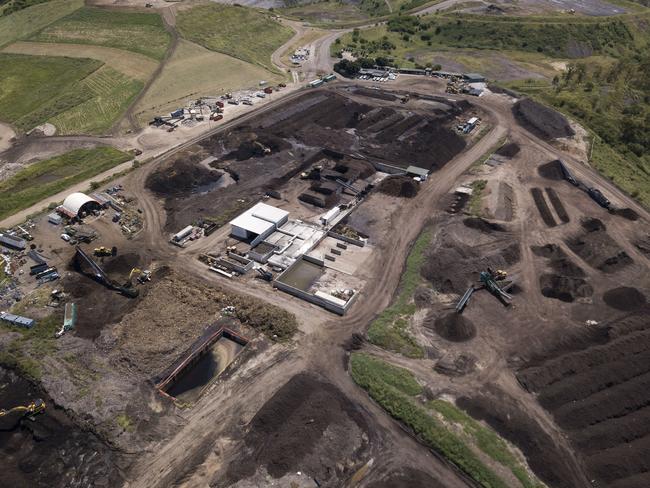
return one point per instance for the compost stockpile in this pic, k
(544, 122)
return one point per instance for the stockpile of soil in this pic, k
(624, 298)
(627, 213)
(407, 478)
(543, 121)
(181, 176)
(542, 207)
(256, 145)
(453, 326)
(456, 366)
(598, 394)
(483, 225)
(595, 246)
(551, 171)
(423, 296)
(307, 425)
(511, 254)
(49, 451)
(557, 205)
(509, 150)
(399, 186)
(564, 288)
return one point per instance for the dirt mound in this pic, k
(597, 391)
(509, 150)
(308, 426)
(483, 225)
(399, 186)
(456, 366)
(423, 296)
(407, 478)
(181, 176)
(627, 213)
(624, 298)
(595, 246)
(564, 288)
(559, 261)
(542, 207)
(551, 171)
(453, 327)
(258, 145)
(511, 254)
(544, 122)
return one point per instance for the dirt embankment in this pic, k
(50, 450)
(542, 121)
(307, 426)
(596, 385)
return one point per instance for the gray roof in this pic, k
(416, 170)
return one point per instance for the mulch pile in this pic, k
(509, 150)
(399, 186)
(180, 177)
(453, 327)
(542, 121)
(624, 298)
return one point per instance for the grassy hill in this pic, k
(142, 33)
(240, 32)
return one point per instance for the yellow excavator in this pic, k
(37, 406)
(143, 276)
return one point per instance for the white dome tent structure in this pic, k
(78, 205)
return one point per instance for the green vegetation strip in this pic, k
(474, 205)
(390, 329)
(46, 178)
(393, 389)
(142, 33)
(240, 32)
(486, 440)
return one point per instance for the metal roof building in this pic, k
(77, 203)
(258, 222)
(12, 242)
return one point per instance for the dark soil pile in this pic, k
(509, 150)
(559, 261)
(456, 366)
(49, 451)
(624, 298)
(453, 327)
(597, 248)
(511, 254)
(627, 213)
(399, 186)
(542, 121)
(181, 176)
(258, 145)
(542, 207)
(598, 393)
(407, 478)
(564, 288)
(551, 171)
(557, 205)
(308, 426)
(483, 225)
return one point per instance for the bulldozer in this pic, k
(102, 251)
(37, 406)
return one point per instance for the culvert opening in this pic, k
(187, 378)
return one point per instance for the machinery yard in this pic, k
(235, 299)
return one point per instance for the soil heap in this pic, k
(624, 298)
(544, 122)
(453, 326)
(399, 186)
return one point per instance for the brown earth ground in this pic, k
(232, 434)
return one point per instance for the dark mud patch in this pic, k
(407, 478)
(551, 170)
(181, 176)
(624, 298)
(483, 225)
(452, 327)
(509, 150)
(627, 213)
(542, 121)
(399, 186)
(564, 288)
(595, 246)
(308, 426)
(50, 450)
(542, 207)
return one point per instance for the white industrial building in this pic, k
(258, 222)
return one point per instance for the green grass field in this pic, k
(240, 32)
(142, 33)
(24, 23)
(394, 389)
(390, 329)
(31, 82)
(46, 178)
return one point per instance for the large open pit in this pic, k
(50, 450)
(206, 359)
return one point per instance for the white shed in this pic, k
(258, 222)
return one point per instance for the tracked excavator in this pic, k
(37, 406)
